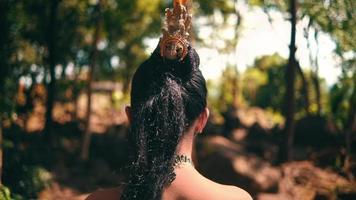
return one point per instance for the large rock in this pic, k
(304, 181)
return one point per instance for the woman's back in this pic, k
(189, 184)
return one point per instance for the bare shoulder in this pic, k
(189, 184)
(228, 192)
(237, 193)
(106, 194)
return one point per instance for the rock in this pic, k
(302, 180)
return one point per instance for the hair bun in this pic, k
(180, 69)
(192, 58)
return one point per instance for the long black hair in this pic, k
(166, 97)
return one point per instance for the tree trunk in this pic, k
(1, 149)
(128, 71)
(64, 68)
(51, 60)
(290, 75)
(315, 74)
(317, 91)
(126, 84)
(349, 130)
(351, 120)
(305, 88)
(93, 60)
(236, 88)
(5, 55)
(76, 92)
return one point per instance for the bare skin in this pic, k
(189, 183)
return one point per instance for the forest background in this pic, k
(65, 71)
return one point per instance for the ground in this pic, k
(246, 157)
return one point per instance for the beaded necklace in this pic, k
(181, 159)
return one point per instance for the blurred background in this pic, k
(281, 77)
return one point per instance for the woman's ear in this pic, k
(202, 120)
(128, 113)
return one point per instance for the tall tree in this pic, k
(305, 88)
(282, 5)
(7, 50)
(4, 69)
(93, 61)
(338, 18)
(51, 60)
(351, 119)
(315, 66)
(237, 92)
(290, 81)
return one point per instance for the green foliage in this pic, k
(126, 24)
(25, 157)
(7, 107)
(338, 19)
(266, 76)
(8, 36)
(228, 88)
(253, 79)
(4, 193)
(28, 181)
(264, 86)
(324, 94)
(270, 4)
(335, 17)
(207, 7)
(272, 93)
(341, 95)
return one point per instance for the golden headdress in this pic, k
(175, 40)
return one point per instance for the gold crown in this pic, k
(176, 27)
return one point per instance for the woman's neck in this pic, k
(185, 146)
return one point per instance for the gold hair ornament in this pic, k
(175, 40)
